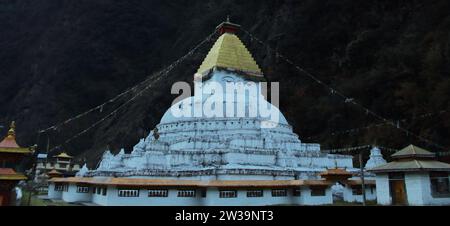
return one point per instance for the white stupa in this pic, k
(375, 159)
(222, 148)
(83, 171)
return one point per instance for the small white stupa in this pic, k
(82, 171)
(376, 158)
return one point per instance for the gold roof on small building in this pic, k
(54, 171)
(9, 144)
(336, 172)
(11, 175)
(63, 155)
(412, 158)
(230, 53)
(413, 151)
(412, 165)
(359, 182)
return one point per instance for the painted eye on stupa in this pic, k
(228, 79)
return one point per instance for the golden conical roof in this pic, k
(231, 54)
(9, 144)
(63, 155)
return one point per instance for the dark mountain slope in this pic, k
(60, 58)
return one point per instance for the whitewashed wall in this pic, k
(101, 199)
(212, 198)
(371, 195)
(415, 188)
(307, 199)
(71, 195)
(144, 200)
(52, 194)
(418, 187)
(383, 193)
(418, 190)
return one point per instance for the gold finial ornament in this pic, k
(9, 144)
(12, 129)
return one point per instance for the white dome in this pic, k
(169, 116)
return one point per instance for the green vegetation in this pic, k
(36, 201)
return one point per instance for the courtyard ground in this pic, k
(42, 200)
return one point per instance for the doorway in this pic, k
(397, 189)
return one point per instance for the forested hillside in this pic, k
(60, 58)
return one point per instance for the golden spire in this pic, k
(229, 53)
(12, 129)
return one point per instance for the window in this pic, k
(372, 189)
(158, 193)
(203, 191)
(94, 190)
(255, 193)
(59, 187)
(65, 187)
(279, 192)
(99, 190)
(186, 193)
(318, 191)
(357, 190)
(104, 191)
(228, 194)
(82, 189)
(122, 192)
(439, 182)
(296, 192)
